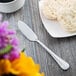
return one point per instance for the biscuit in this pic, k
(50, 7)
(48, 12)
(58, 5)
(67, 19)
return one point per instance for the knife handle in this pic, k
(63, 64)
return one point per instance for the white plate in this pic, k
(53, 27)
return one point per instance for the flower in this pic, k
(13, 62)
(23, 66)
(7, 36)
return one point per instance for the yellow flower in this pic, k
(23, 66)
(6, 67)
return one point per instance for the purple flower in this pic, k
(14, 41)
(12, 55)
(8, 36)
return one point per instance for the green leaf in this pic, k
(6, 50)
